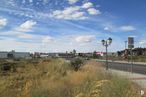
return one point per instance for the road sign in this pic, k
(130, 42)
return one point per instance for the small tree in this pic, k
(76, 63)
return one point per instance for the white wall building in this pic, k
(14, 54)
(21, 55)
(3, 55)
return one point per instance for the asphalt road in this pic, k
(135, 68)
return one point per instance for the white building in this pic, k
(21, 55)
(14, 54)
(3, 55)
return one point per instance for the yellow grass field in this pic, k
(56, 78)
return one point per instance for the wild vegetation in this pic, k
(57, 78)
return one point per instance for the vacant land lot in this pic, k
(57, 78)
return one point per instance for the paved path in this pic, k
(123, 68)
(126, 66)
(135, 68)
(138, 78)
(141, 63)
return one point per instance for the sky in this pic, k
(64, 25)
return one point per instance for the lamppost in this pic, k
(106, 43)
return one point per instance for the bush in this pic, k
(76, 63)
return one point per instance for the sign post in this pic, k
(130, 42)
(130, 46)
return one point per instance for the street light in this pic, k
(106, 43)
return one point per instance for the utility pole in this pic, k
(126, 52)
(125, 45)
(106, 56)
(130, 46)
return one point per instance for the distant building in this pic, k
(135, 51)
(14, 54)
(100, 53)
(3, 55)
(36, 55)
(22, 55)
(53, 55)
(45, 55)
(139, 51)
(85, 55)
(66, 55)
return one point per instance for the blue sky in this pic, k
(64, 25)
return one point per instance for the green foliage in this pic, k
(76, 63)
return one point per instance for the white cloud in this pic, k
(19, 31)
(61, 44)
(127, 28)
(26, 26)
(69, 13)
(11, 2)
(18, 46)
(24, 36)
(3, 22)
(72, 1)
(23, 1)
(46, 39)
(45, 1)
(70, 10)
(93, 11)
(87, 5)
(74, 13)
(78, 15)
(114, 28)
(58, 14)
(111, 28)
(143, 42)
(30, 1)
(84, 38)
(106, 28)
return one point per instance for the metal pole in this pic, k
(106, 56)
(125, 45)
(125, 51)
(131, 61)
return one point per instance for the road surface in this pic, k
(135, 68)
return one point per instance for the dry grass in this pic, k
(55, 78)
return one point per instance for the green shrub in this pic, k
(76, 63)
